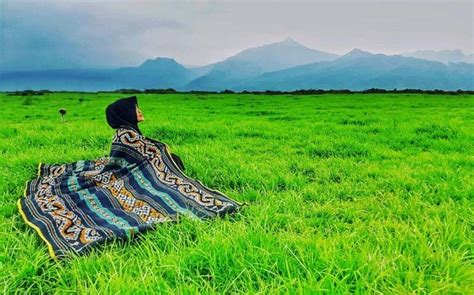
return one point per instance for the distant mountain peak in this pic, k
(159, 61)
(163, 59)
(290, 41)
(356, 52)
(287, 42)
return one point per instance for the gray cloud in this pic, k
(104, 33)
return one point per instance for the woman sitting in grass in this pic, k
(78, 205)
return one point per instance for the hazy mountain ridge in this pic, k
(444, 56)
(285, 65)
(254, 61)
(161, 72)
(358, 70)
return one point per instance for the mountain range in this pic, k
(286, 65)
(444, 56)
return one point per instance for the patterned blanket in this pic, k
(77, 205)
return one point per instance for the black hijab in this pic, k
(123, 113)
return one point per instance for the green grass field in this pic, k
(348, 193)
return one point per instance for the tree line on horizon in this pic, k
(266, 92)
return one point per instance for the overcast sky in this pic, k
(111, 33)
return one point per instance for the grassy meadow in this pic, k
(347, 193)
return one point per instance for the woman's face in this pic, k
(140, 117)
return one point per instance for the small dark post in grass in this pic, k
(62, 112)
